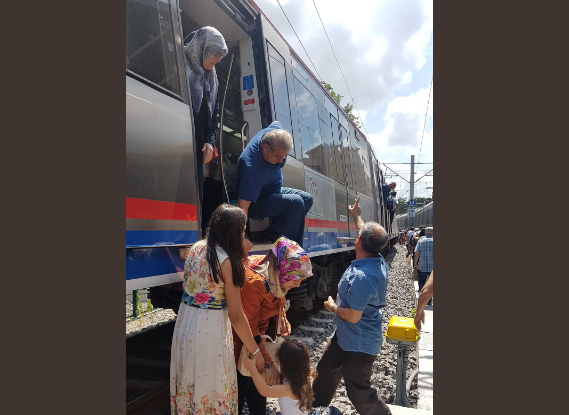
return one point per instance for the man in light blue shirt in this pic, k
(357, 341)
(424, 257)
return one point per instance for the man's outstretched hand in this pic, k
(355, 209)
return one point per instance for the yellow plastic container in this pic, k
(402, 328)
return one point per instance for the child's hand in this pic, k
(249, 364)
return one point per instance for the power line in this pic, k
(299, 41)
(339, 65)
(423, 135)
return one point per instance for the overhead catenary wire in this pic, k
(426, 112)
(360, 117)
(314, 66)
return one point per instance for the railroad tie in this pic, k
(317, 329)
(321, 320)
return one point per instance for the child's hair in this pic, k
(294, 361)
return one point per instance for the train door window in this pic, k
(280, 91)
(345, 140)
(229, 76)
(337, 150)
(309, 125)
(150, 44)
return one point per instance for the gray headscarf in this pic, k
(206, 42)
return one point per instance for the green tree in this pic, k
(347, 108)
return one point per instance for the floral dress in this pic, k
(203, 378)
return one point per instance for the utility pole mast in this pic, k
(412, 188)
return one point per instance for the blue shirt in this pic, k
(257, 177)
(425, 248)
(363, 287)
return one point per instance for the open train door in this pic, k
(239, 114)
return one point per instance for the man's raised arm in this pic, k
(356, 211)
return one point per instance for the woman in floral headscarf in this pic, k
(267, 280)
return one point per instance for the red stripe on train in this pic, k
(155, 209)
(320, 223)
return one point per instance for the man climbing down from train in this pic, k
(357, 341)
(392, 206)
(385, 190)
(260, 179)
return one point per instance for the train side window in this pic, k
(347, 156)
(337, 144)
(309, 123)
(280, 91)
(150, 44)
(327, 151)
(299, 70)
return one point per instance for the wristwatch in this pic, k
(269, 365)
(252, 355)
(334, 307)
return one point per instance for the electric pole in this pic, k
(412, 188)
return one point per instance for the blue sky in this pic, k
(385, 49)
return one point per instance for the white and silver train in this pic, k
(423, 217)
(261, 79)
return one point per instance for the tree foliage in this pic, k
(347, 108)
(402, 207)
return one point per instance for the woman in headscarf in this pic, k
(204, 48)
(267, 280)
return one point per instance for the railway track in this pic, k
(148, 371)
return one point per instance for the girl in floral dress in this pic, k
(202, 369)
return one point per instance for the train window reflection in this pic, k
(299, 69)
(338, 164)
(347, 156)
(310, 137)
(150, 45)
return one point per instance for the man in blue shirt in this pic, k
(260, 179)
(424, 257)
(358, 337)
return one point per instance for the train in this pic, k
(423, 217)
(261, 79)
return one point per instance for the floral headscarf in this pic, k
(286, 261)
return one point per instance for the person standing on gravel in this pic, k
(357, 341)
(424, 257)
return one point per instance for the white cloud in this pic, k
(378, 43)
(404, 120)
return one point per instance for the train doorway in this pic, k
(220, 175)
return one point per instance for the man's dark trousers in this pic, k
(246, 391)
(356, 369)
(422, 278)
(286, 210)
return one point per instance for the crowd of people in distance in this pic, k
(220, 356)
(419, 243)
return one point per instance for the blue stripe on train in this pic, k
(135, 238)
(147, 262)
(322, 241)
